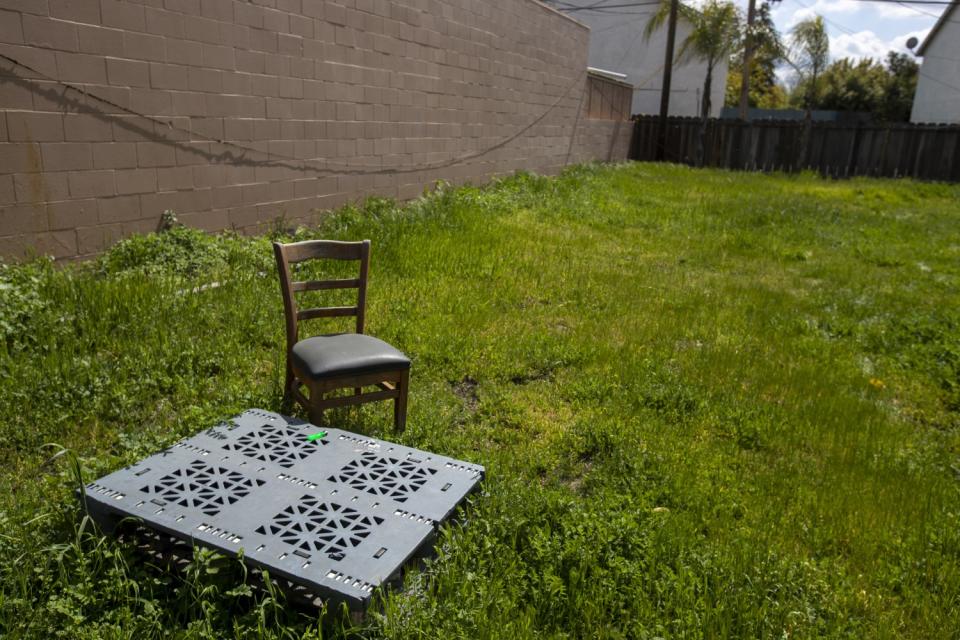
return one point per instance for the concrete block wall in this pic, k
(234, 113)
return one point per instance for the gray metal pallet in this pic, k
(338, 514)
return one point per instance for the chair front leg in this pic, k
(400, 402)
(315, 410)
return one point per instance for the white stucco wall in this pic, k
(938, 88)
(617, 44)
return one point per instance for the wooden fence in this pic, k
(607, 98)
(929, 152)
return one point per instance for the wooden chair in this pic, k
(329, 362)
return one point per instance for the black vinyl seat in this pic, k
(345, 354)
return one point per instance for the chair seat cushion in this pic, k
(344, 354)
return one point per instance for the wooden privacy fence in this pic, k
(607, 98)
(929, 152)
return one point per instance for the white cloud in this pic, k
(866, 44)
(863, 44)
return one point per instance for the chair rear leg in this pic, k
(400, 402)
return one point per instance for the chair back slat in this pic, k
(321, 285)
(323, 249)
(326, 312)
(296, 252)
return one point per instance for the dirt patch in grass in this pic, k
(466, 390)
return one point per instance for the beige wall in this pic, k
(937, 99)
(618, 44)
(233, 113)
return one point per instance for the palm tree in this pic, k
(716, 35)
(809, 54)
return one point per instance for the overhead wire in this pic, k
(827, 20)
(633, 41)
(909, 3)
(927, 13)
(848, 31)
(565, 3)
(566, 7)
(934, 2)
(920, 11)
(939, 81)
(621, 23)
(281, 160)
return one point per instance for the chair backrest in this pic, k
(297, 252)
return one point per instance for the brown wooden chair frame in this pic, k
(393, 384)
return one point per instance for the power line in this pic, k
(828, 20)
(619, 12)
(622, 23)
(627, 50)
(904, 3)
(939, 81)
(921, 11)
(606, 10)
(935, 2)
(599, 8)
(851, 32)
(927, 13)
(940, 58)
(568, 4)
(281, 160)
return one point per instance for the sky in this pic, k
(857, 28)
(860, 29)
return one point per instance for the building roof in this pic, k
(613, 76)
(944, 19)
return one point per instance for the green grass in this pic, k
(710, 404)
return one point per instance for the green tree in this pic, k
(847, 85)
(897, 101)
(768, 51)
(886, 91)
(716, 35)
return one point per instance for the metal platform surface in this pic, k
(333, 511)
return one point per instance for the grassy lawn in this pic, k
(710, 404)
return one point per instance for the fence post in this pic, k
(805, 142)
(853, 160)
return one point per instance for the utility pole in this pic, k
(747, 62)
(667, 76)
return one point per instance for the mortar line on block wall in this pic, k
(272, 159)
